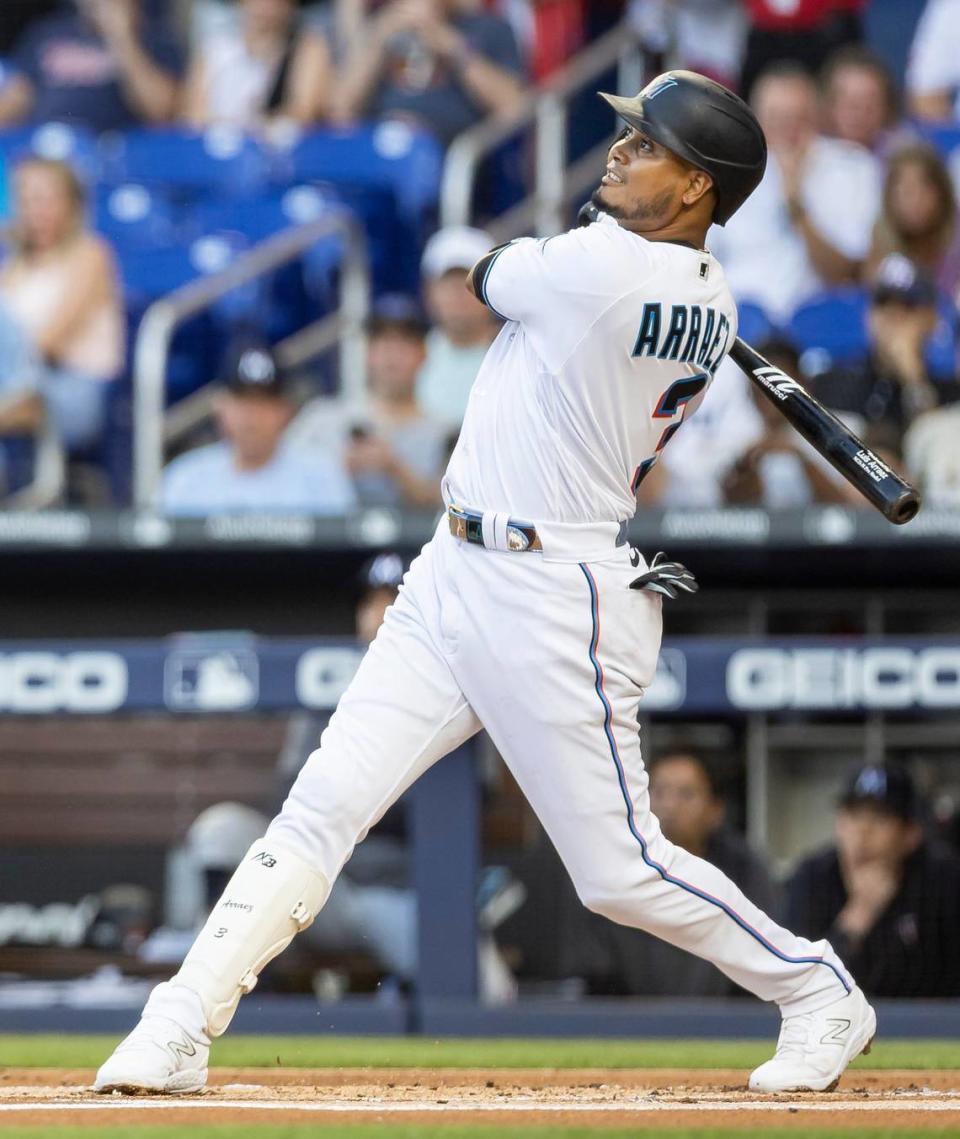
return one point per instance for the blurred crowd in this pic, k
(851, 242)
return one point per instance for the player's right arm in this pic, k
(559, 286)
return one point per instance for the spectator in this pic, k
(691, 469)
(60, 298)
(701, 35)
(549, 32)
(892, 384)
(861, 103)
(805, 32)
(685, 798)
(932, 456)
(104, 66)
(393, 450)
(933, 73)
(887, 900)
(253, 468)
(441, 63)
(463, 327)
(807, 227)
(781, 469)
(266, 67)
(919, 218)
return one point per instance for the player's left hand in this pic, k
(669, 578)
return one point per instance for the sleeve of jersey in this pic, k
(556, 287)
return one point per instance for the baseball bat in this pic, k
(893, 496)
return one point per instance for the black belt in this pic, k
(467, 526)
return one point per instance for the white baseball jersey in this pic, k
(610, 341)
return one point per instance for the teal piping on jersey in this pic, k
(482, 283)
(631, 818)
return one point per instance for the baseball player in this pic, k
(530, 615)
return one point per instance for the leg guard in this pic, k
(272, 896)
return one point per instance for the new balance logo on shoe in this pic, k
(182, 1048)
(265, 859)
(838, 1032)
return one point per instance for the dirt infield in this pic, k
(587, 1098)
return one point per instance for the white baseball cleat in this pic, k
(815, 1048)
(160, 1056)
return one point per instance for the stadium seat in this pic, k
(944, 136)
(220, 160)
(61, 141)
(832, 323)
(134, 217)
(390, 155)
(754, 324)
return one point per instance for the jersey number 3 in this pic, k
(675, 399)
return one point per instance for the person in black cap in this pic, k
(252, 468)
(392, 449)
(886, 897)
(891, 386)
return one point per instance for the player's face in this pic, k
(644, 182)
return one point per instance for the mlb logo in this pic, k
(221, 680)
(669, 687)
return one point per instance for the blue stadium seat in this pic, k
(220, 160)
(833, 323)
(754, 324)
(944, 136)
(134, 217)
(942, 349)
(62, 141)
(389, 155)
(261, 217)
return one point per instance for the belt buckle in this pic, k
(458, 523)
(517, 541)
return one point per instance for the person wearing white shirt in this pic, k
(252, 469)
(933, 71)
(809, 224)
(463, 328)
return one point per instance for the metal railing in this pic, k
(152, 430)
(547, 112)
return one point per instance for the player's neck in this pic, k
(677, 232)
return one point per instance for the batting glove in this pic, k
(669, 578)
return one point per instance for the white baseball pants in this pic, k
(550, 653)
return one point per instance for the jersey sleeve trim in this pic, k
(481, 272)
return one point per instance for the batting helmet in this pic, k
(705, 124)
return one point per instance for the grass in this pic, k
(65, 1051)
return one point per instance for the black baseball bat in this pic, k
(893, 496)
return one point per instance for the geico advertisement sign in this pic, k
(825, 678)
(62, 682)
